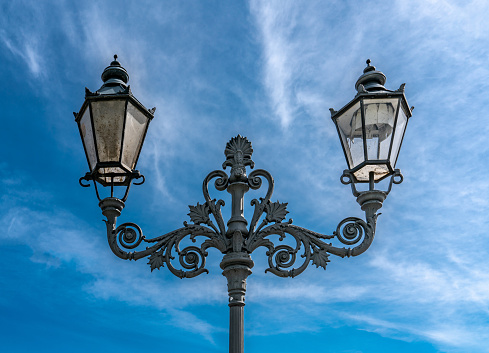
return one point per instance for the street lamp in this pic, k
(113, 125)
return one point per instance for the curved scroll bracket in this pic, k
(130, 177)
(213, 206)
(255, 182)
(163, 249)
(348, 178)
(87, 177)
(135, 175)
(310, 246)
(396, 178)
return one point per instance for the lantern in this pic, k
(113, 125)
(371, 127)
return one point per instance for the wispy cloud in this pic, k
(277, 57)
(191, 323)
(26, 49)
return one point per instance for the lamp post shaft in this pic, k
(237, 222)
(236, 268)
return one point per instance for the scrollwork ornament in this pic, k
(283, 255)
(350, 230)
(255, 182)
(129, 235)
(220, 184)
(396, 178)
(310, 247)
(191, 258)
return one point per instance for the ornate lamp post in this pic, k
(113, 125)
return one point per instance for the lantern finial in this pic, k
(369, 67)
(115, 62)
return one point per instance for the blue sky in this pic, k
(268, 71)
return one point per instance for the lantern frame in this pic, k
(370, 89)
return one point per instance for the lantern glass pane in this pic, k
(379, 170)
(108, 179)
(85, 126)
(350, 129)
(379, 115)
(398, 136)
(136, 122)
(108, 121)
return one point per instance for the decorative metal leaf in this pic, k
(156, 260)
(265, 243)
(199, 214)
(276, 211)
(238, 144)
(320, 257)
(214, 243)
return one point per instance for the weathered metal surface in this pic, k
(239, 240)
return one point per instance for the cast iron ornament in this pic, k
(310, 247)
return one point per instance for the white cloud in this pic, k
(276, 54)
(26, 51)
(57, 237)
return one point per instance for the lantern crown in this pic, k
(371, 80)
(115, 78)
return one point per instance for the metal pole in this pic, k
(237, 267)
(237, 264)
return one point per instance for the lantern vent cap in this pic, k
(115, 78)
(371, 81)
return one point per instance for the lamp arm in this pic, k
(128, 236)
(311, 246)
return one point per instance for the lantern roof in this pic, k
(371, 84)
(115, 78)
(372, 81)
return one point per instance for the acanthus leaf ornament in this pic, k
(156, 260)
(199, 214)
(276, 211)
(319, 257)
(238, 156)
